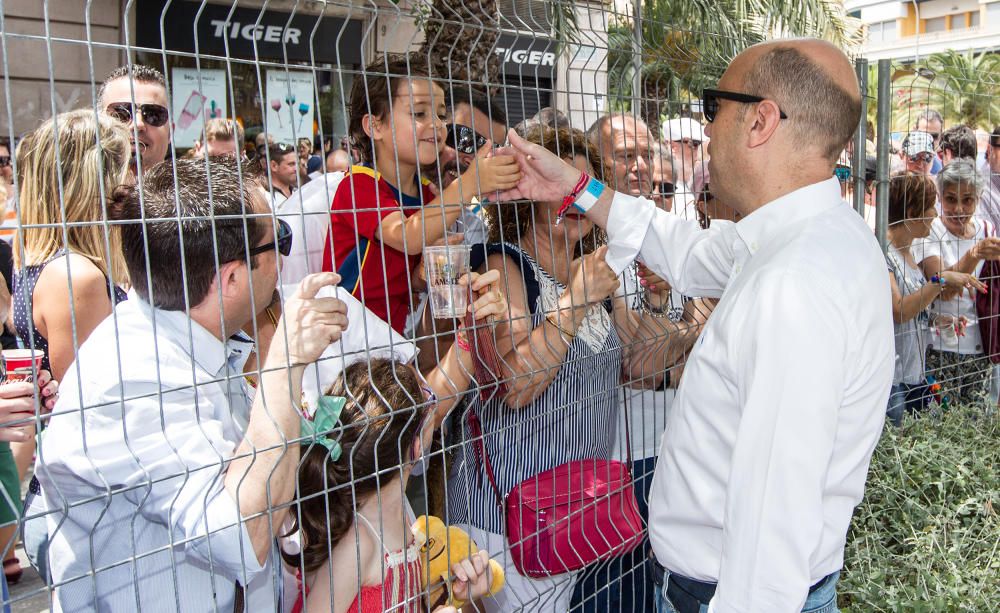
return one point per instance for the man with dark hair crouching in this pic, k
(164, 482)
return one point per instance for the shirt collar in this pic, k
(204, 347)
(759, 227)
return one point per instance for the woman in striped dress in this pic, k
(561, 357)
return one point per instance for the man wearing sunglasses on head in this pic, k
(767, 448)
(137, 96)
(476, 125)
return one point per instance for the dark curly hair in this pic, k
(377, 427)
(372, 94)
(509, 221)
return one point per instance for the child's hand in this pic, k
(493, 174)
(472, 577)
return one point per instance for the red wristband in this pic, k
(463, 343)
(571, 198)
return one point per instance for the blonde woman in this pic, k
(67, 260)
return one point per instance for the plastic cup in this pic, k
(945, 326)
(17, 364)
(444, 265)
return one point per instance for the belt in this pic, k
(687, 595)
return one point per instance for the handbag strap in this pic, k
(479, 445)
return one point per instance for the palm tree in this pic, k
(687, 44)
(964, 87)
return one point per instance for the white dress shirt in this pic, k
(132, 466)
(307, 211)
(783, 398)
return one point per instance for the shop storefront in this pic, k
(288, 72)
(529, 66)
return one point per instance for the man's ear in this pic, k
(766, 118)
(229, 277)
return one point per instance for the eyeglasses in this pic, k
(152, 114)
(710, 101)
(843, 174)
(284, 242)
(464, 139)
(665, 189)
(925, 156)
(4, 161)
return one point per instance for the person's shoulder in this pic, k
(360, 182)
(72, 270)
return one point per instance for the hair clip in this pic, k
(326, 417)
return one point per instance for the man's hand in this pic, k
(308, 324)
(544, 175)
(17, 404)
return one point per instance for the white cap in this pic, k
(681, 128)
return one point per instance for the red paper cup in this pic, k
(17, 364)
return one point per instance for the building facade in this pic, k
(283, 65)
(909, 30)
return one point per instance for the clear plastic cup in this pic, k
(945, 326)
(444, 265)
(17, 364)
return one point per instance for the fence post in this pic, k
(882, 175)
(860, 139)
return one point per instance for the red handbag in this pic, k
(570, 516)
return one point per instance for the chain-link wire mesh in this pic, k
(234, 432)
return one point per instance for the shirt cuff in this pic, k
(628, 221)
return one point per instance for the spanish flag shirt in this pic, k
(374, 273)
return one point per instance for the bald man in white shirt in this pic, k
(783, 398)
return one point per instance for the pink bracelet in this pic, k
(463, 343)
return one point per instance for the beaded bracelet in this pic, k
(939, 280)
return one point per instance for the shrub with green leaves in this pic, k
(927, 535)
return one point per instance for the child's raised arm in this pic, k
(484, 175)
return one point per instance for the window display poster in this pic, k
(288, 109)
(198, 95)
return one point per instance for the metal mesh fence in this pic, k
(234, 432)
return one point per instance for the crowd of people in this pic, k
(243, 395)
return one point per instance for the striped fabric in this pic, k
(574, 419)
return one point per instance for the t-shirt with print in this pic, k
(950, 249)
(374, 273)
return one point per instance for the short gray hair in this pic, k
(961, 171)
(666, 157)
(820, 111)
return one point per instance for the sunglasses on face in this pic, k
(924, 157)
(691, 142)
(152, 114)
(664, 190)
(464, 139)
(710, 101)
(284, 242)
(4, 161)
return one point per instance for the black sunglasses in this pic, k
(710, 101)
(665, 189)
(924, 156)
(152, 114)
(464, 139)
(284, 242)
(4, 161)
